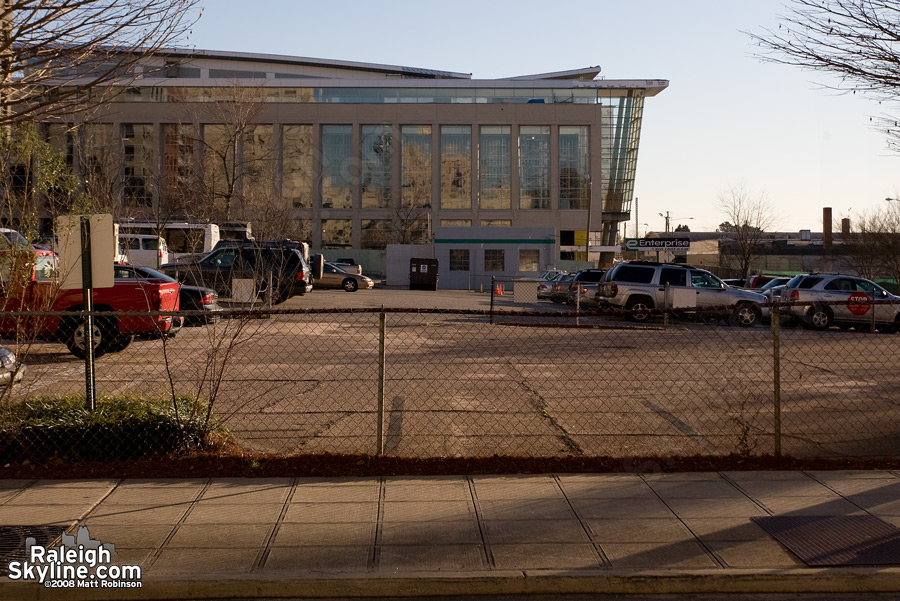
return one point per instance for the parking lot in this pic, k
(287, 381)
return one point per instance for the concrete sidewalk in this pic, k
(566, 533)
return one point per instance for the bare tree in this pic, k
(854, 40)
(749, 217)
(54, 55)
(874, 243)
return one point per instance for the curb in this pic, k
(870, 580)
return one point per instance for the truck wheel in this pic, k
(639, 309)
(349, 285)
(746, 315)
(73, 335)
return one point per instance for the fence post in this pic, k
(666, 303)
(493, 287)
(776, 374)
(379, 428)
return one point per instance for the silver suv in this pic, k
(820, 301)
(643, 286)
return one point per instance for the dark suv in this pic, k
(277, 271)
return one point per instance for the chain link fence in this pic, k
(477, 383)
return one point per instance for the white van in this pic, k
(143, 250)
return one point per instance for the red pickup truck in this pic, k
(29, 283)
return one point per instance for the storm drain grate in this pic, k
(848, 540)
(12, 542)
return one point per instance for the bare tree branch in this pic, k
(56, 55)
(750, 216)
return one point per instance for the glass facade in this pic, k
(297, 165)
(621, 129)
(534, 167)
(493, 164)
(456, 167)
(574, 167)
(377, 161)
(337, 162)
(350, 166)
(357, 95)
(415, 183)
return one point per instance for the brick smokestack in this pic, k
(845, 228)
(826, 229)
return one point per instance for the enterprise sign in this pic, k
(657, 244)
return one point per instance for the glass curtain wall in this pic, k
(337, 162)
(297, 165)
(377, 155)
(494, 163)
(456, 167)
(415, 156)
(621, 119)
(574, 167)
(534, 167)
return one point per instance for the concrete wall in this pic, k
(479, 239)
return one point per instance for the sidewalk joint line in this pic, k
(598, 549)
(486, 553)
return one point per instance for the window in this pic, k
(459, 259)
(337, 158)
(257, 167)
(841, 284)
(456, 223)
(494, 166)
(415, 155)
(494, 260)
(701, 279)
(456, 167)
(673, 277)
(336, 233)
(377, 164)
(178, 162)
(633, 273)
(139, 162)
(297, 165)
(529, 259)
(376, 233)
(534, 167)
(496, 223)
(574, 161)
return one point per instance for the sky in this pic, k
(727, 118)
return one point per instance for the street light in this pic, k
(669, 219)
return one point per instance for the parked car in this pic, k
(35, 287)
(640, 287)
(772, 289)
(820, 301)
(262, 263)
(11, 370)
(586, 294)
(560, 289)
(545, 287)
(335, 277)
(191, 298)
(349, 265)
(585, 276)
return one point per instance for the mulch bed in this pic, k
(326, 465)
